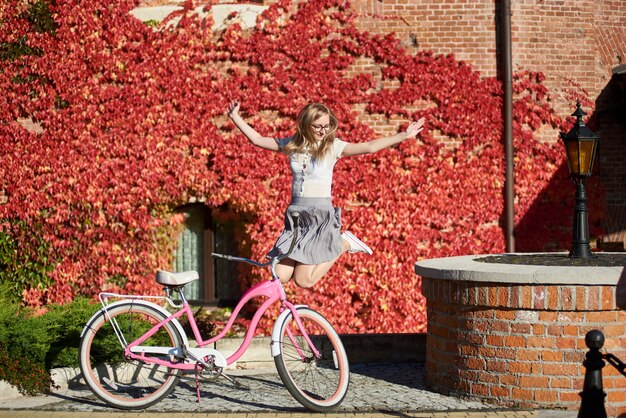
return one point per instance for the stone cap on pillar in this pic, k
(467, 268)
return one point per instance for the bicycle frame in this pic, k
(272, 290)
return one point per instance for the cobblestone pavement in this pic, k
(396, 389)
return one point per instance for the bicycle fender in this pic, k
(275, 348)
(102, 311)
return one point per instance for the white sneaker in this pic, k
(356, 245)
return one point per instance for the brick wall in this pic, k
(577, 40)
(573, 42)
(520, 345)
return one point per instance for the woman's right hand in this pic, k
(415, 128)
(233, 108)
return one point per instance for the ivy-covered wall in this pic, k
(131, 125)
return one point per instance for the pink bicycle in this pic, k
(133, 351)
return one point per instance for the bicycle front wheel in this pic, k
(318, 382)
(119, 381)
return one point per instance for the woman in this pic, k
(313, 152)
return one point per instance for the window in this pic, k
(201, 236)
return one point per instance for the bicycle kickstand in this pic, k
(198, 370)
(208, 366)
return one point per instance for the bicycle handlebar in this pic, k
(296, 222)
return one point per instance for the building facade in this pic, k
(576, 44)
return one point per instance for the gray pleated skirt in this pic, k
(319, 237)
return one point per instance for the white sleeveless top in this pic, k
(312, 177)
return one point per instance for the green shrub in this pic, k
(32, 345)
(65, 323)
(24, 343)
(28, 376)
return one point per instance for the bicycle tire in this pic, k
(319, 384)
(121, 382)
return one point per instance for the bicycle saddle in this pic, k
(167, 278)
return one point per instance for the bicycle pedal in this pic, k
(210, 376)
(233, 381)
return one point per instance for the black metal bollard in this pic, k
(592, 403)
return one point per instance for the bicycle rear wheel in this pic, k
(117, 380)
(320, 383)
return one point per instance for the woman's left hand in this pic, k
(415, 128)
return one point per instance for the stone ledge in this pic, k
(361, 349)
(597, 259)
(466, 269)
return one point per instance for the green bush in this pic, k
(64, 324)
(24, 343)
(32, 345)
(28, 376)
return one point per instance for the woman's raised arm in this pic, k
(253, 136)
(375, 145)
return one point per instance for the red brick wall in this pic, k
(520, 345)
(573, 42)
(577, 40)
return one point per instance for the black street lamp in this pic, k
(580, 145)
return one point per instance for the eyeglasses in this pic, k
(320, 128)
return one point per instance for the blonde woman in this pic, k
(313, 151)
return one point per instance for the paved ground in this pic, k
(382, 390)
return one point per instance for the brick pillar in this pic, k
(520, 341)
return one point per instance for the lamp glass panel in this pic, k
(586, 156)
(572, 156)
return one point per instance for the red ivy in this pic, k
(133, 127)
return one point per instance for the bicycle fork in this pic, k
(294, 312)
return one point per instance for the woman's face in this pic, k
(320, 127)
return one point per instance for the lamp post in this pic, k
(580, 145)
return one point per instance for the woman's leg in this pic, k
(284, 269)
(306, 275)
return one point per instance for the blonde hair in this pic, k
(305, 137)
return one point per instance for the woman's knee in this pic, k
(303, 275)
(284, 271)
(306, 275)
(305, 281)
